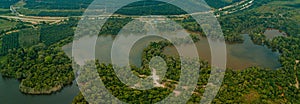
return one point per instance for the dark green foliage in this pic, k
(57, 4)
(149, 7)
(51, 34)
(220, 3)
(131, 95)
(29, 37)
(258, 39)
(113, 25)
(9, 42)
(5, 12)
(60, 13)
(7, 3)
(78, 4)
(146, 7)
(41, 69)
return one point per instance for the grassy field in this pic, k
(29, 37)
(5, 24)
(4, 11)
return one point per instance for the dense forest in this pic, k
(57, 4)
(41, 69)
(9, 42)
(150, 8)
(35, 57)
(51, 34)
(6, 3)
(81, 4)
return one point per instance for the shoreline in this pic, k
(31, 91)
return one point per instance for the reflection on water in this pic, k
(10, 94)
(239, 56)
(104, 45)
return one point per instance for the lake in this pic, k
(104, 44)
(239, 56)
(10, 94)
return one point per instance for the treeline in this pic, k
(57, 4)
(149, 7)
(146, 7)
(81, 4)
(231, 34)
(114, 25)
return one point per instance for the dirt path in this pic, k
(156, 79)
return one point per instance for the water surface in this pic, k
(104, 44)
(239, 56)
(10, 94)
